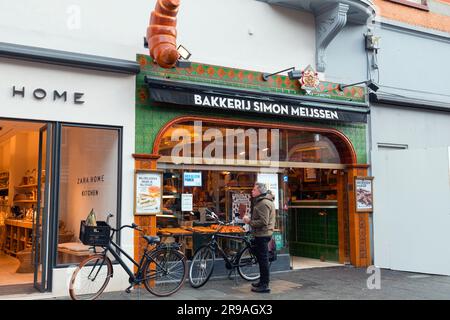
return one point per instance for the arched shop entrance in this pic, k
(309, 169)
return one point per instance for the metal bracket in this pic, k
(330, 20)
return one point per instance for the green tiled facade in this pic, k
(312, 235)
(150, 117)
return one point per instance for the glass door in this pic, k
(42, 214)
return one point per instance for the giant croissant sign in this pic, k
(162, 33)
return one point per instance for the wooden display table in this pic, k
(18, 235)
(73, 252)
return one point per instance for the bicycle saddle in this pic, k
(151, 239)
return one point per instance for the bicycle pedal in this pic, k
(128, 290)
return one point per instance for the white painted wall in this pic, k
(215, 31)
(412, 210)
(109, 100)
(415, 128)
(411, 190)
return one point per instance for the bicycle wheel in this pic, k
(90, 278)
(166, 273)
(202, 266)
(248, 266)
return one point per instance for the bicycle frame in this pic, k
(135, 278)
(216, 246)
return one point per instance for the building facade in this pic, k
(78, 122)
(410, 137)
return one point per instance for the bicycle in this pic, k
(202, 264)
(162, 270)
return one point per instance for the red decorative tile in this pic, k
(287, 82)
(279, 81)
(200, 70)
(241, 75)
(221, 72)
(142, 61)
(211, 71)
(231, 74)
(142, 95)
(250, 77)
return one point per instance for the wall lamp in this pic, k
(292, 74)
(369, 83)
(185, 55)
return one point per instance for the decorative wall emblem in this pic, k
(310, 79)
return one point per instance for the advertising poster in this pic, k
(186, 202)
(271, 182)
(364, 194)
(240, 205)
(192, 179)
(148, 192)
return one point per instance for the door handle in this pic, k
(322, 213)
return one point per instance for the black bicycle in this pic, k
(202, 264)
(162, 270)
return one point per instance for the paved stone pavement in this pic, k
(337, 283)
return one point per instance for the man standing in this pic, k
(262, 223)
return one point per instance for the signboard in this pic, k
(278, 240)
(244, 102)
(271, 182)
(240, 205)
(364, 194)
(148, 192)
(192, 179)
(186, 202)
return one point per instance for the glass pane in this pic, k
(88, 181)
(210, 141)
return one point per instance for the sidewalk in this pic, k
(320, 283)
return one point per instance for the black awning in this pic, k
(238, 101)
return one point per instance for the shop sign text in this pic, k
(42, 94)
(264, 107)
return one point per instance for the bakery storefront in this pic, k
(212, 132)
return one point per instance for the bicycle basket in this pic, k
(95, 235)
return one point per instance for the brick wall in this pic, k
(414, 16)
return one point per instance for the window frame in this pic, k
(57, 166)
(423, 6)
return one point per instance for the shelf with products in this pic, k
(4, 183)
(18, 235)
(26, 186)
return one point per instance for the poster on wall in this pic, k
(192, 179)
(186, 202)
(148, 192)
(271, 182)
(240, 205)
(364, 194)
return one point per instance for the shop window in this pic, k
(89, 180)
(205, 143)
(419, 4)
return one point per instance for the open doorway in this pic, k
(314, 208)
(21, 160)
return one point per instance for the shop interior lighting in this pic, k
(292, 74)
(369, 83)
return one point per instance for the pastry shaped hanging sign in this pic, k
(162, 33)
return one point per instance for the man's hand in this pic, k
(246, 219)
